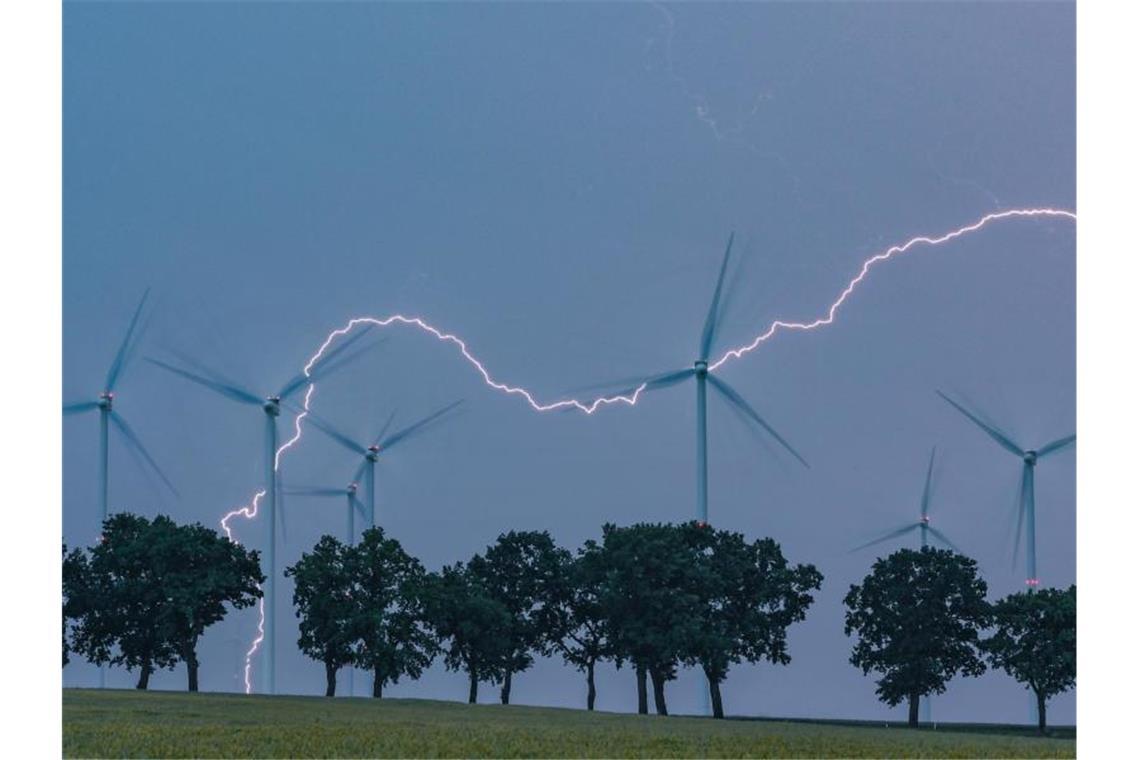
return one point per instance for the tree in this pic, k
(648, 601)
(475, 625)
(749, 595)
(917, 616)
(520, 571)
(123, 607)
(574, 616)
(322, 594)
(75, 571)
(208, 572)
(1036, 642)
(388, 621)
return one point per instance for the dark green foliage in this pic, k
(388, 620)
(476, 627)
(574, 617)
(748, 596)
(206, 572)
(1036, 642)
(649, 603)
(917, 616)
(520, 571)
(323, 597)
(123, 610)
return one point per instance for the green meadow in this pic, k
(170, 724)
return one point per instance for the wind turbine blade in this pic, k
(709, 331)
(328, 363)
(79, 407)
(886, 537)
(657, 382)
(383, 430)
(327, 428)
(1056, 445)
(1003, 440)
(1020, 513)
(125, 347)
(135, 443)
(311, 491)
(217, 385)
(359, 507)
(357, 477)
(735, 398)
(416, 427)
(926, 488)
(942, 537)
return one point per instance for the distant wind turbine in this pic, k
(1026, 505)
(271, 406)
(700, 371)
(107, 414)
(923, 525)
(370, 453)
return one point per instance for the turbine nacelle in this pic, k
(272, 406)
(352, 488)
(106, 400)
(925, 520)
(373, 453)
(701, 366)
(1030, 458)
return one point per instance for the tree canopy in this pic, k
(323, 597)
(918, 616)
(1035, 641)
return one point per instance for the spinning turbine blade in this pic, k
(942, 537)
(311, 491)
(658, 382)
(218, 384)
(735, 398)
(357, 477)
(1003, 440)
(80, 407)
(885, 537)
(416, 427)
(926, 488)
(135, 443)
(709, 331)
(383, 430)
(326, 428)
(1056, 445)
(359, 506)
(125, 347)
(328, 363)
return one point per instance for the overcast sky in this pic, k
(555, 184)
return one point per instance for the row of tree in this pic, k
(654, 597)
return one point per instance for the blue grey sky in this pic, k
(555, 184)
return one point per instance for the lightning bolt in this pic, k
(592, 406)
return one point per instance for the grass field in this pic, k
(168, 724)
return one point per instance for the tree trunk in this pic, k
(1040, 712)
(473, 692)
(658, 679)
(144, 676)
(912, 716)
(330, 678)
(505, 692)
(377, 685)
(714, 692)
(591, 692)
(190, 656)
(642, 696)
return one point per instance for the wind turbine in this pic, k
(1026, 505)
(700, 371)
(923, 525)
(370, 453)
(108, 416)
(271, 406)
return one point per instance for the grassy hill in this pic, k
(170, 724)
